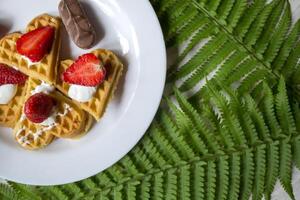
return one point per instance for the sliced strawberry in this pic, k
(9, 75)
(37, 43)
(39, 107)
(87, 70)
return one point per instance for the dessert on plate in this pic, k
(42, 98)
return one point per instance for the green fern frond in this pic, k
(234, 177)
(8, 192)
(26, 192)
(260, 170)
(211, 175)
(222, 178)
(247, 175)
(272, 168)
(284, 111)
(285, 169)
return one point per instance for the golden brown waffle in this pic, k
(47, 67)
(10, 113)
(70, 122)
(97, 105)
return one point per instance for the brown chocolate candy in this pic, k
(77, 24)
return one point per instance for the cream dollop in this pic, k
(43, 87)
(7, 92)
(81, 93)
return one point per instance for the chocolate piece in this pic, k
(77, 24)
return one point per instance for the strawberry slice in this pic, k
(87, 70)
(9, 75)
(39, 107)
(37, 43)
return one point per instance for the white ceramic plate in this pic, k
(131, 29)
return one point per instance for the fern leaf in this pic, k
(287, 47)
(212, 6)
(291, 67)
(186, 128)
(165, 147)
(245, 67)
(224, 9)
(269, 112)
(53, 193)
(215, 61)
(231, 122)
(248, 18)
(285, 172)
(229, 66)
(199, 37)
(247, 174)
(252, 80)
(26, 192)
(222, 178)
(152, 153)
(186, 153)
(170, 186)
(184, 20)
(184, 182)
(198, 184)
(210, 180)
(283, 109)
(73, 191)
(279, 35)
(203, 54)
(130, 189)
(199, 123)
(164, 5)
(257, 118)
(272, 171)
(296, 152)
(234, 177)
(188, 32)
(236, 13)
(263, 42)
(260, 170)
(8, 192)
(144, 190)
(157, 186)
(258, 25)
(130, 166)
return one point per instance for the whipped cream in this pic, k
(7, 93)
(29, 62)
(43, 87)
(50, 121)
(48, 124)
(81, 93)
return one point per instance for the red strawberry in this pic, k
(9, 75)
(39, 107)
(87, 70)
(35, 44)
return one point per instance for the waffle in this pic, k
(10, 113)
(97, 105)
(47, 67)
(70, 122)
